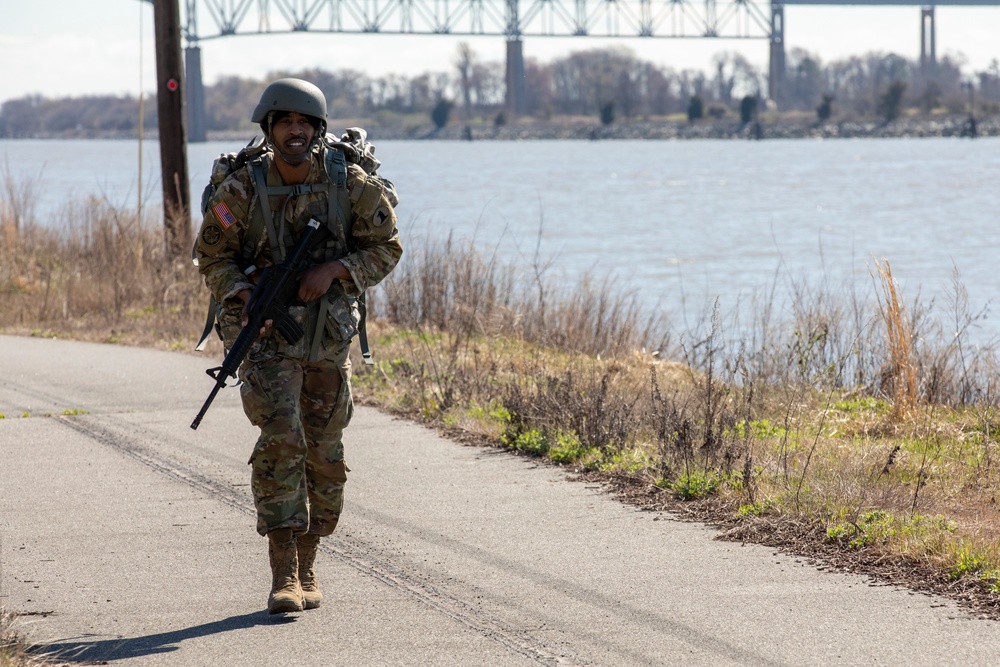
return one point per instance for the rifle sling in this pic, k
(209, 324)
(366, 353)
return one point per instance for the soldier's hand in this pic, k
(315, 282)
(244, 296)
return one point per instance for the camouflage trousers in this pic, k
(298, 471)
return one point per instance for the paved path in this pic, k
(125, 536)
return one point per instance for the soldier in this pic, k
(299, 395)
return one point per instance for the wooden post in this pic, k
(173, 142)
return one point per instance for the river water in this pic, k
(683, 223)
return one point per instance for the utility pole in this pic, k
(173, 142)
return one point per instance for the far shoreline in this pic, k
(952, 125)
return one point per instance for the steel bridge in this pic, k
(514, 20)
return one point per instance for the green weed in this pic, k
(882, 527)
(495, 412)
(969, 563)
(628, 461)
(567, 448)
(692, 486)
(866, 404)
(872, 528)
(759, 508)
(992, 579)
(758, 429)
(531, 442)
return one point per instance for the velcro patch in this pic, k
(382, 216)
(371, 197)
(224, 215)
(211, 235)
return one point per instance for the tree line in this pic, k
(611, 84)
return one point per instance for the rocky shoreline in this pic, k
(951, 126)
(955, 125)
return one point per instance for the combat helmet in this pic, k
(291, 95)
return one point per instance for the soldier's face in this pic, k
(292, 134)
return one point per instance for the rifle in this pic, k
(275, 291)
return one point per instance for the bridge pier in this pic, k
(776, 68)
(515, 77)
(928, 49)
(197, 129)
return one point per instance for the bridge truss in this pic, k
(510, 18)
(514, 20)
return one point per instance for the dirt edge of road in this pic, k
(792, 538)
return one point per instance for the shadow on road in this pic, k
(88, 649)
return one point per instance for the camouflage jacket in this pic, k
(371, 252)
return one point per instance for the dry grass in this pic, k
(15, 650)
(101, 276)
(857, 430)
(902, 370)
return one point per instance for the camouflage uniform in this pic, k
(298, 395)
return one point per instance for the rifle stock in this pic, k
(274, 292)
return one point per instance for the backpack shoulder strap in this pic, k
(261, 219)
(337, 160)
(339, 220)
(339, 205)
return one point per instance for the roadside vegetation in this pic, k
(856, 429)
(859, 430)
(14, 648)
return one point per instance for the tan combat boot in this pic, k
(307, 546)
(286, 594)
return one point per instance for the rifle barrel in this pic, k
(208, 402)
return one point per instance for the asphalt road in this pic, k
(127, 537)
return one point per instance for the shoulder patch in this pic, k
(382, 215)
(211, 235)
(224, 215)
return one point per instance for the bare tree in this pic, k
(489, 85)
(585, 81)
(465, 62)
(806, 82)
(723, 82)
(989, 82)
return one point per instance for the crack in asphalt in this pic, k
(350, 551)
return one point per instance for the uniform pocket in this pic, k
(342, 403)
(230, 317)
(258, 404)
(342, 319)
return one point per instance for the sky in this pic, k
(60, 48)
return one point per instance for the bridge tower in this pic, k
(776, 64)
(197, 130)
(928, 49)
(515, 62)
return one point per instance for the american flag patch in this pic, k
(224, 215)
